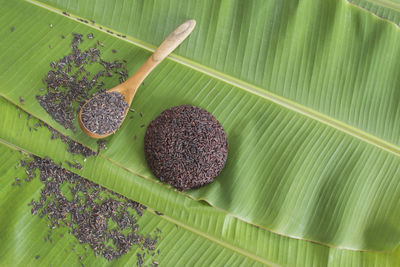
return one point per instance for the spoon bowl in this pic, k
(130, 86)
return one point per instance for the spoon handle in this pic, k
(170, 43)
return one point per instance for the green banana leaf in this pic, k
(306, 91)
(202, 228)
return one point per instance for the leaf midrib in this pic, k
(386, 3)
(248, 87)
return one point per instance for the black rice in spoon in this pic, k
(105, 113)
(186, 147)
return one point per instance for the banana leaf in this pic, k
(203, 228)
(306, 92)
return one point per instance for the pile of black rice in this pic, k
(186, 146)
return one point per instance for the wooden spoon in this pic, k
(130, 86)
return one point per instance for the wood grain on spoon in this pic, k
(130, 86)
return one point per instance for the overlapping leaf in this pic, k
(238, 242)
